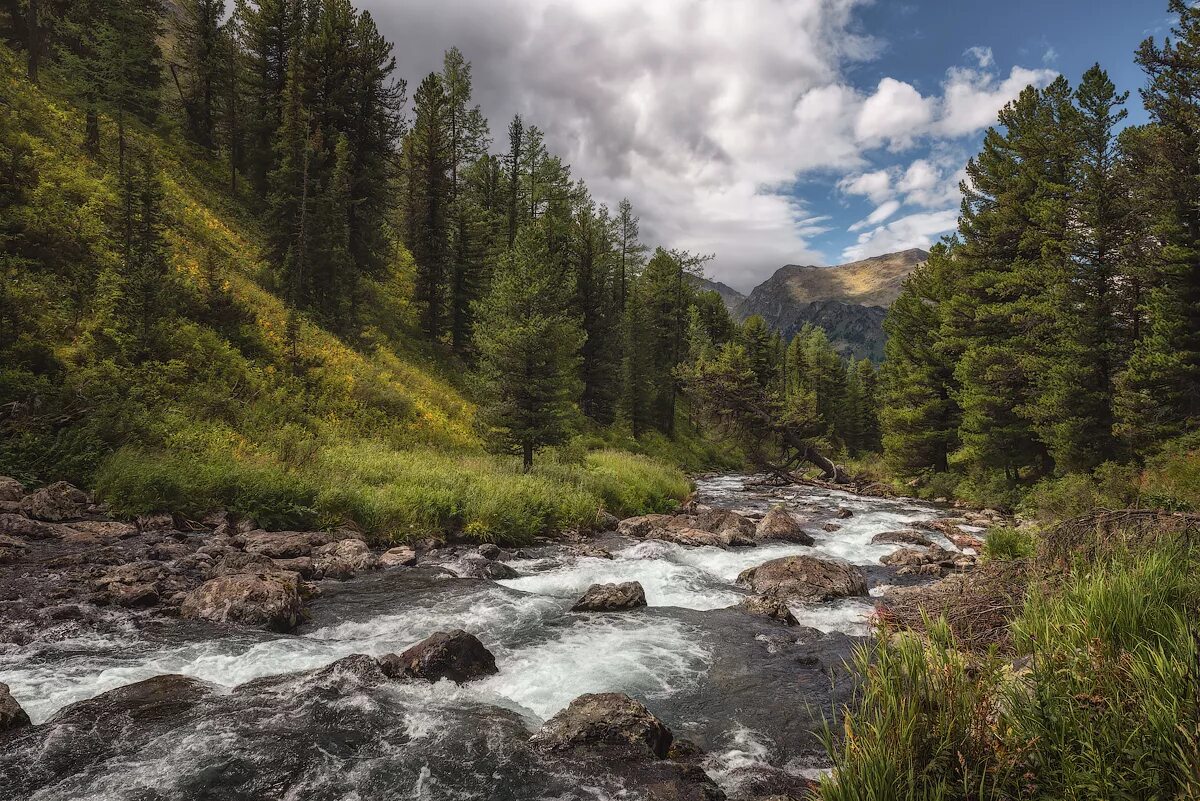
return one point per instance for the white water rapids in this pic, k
(677, 656)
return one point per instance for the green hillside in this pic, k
(229, 411)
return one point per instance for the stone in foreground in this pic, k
(607, 721)
(454, 655)
(780, 525)
(611, 597)
(805, 579)
(270, 600)
(12, 716)
(55, 503)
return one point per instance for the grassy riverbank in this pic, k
(1091, 688)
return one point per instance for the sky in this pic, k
(769, 132)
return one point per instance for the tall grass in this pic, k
(396, 494)
(1108, 706)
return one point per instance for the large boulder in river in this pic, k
(611, 722)
(272, 600)
(611, 597)
(151, 699)
(476, 566)
(805, 579)
(719, 521)
(343, 559)
(401, 555)
(779, 524)
(454, 655)
(57, 502)
(12, 716)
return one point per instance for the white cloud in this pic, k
(982, 55)
(876, 185)
(895, 113)
(971, 97)
(880, 214)
(914, 231)
(704, 114)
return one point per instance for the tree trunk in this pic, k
(526, 456)
(91, 135)
(35, 40)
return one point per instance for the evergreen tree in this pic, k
(289, 201)
(269, 35)
(428, 198)
(596, 302)
(527, 342)
(146, 276)
(200, 50)
(1159, 395)
(632, 252)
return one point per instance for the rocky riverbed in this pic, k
(682, 656)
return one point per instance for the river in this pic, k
(272, 724)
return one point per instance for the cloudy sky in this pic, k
(769, 131)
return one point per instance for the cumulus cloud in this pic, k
(706, 115)
(885, 210)
(919, 230)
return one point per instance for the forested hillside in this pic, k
(240, 271)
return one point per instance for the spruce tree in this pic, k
(427, 215)
(200, 51)
(528, 343)
(1159, 394)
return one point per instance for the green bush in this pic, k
(1009, 543)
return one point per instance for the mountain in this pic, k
(728, 294)
(849, 301)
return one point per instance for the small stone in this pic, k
(489, 550)
(401, 555)
(843, 513)
(607, 721)
(11, 489)
(12, 716)
(769, 606)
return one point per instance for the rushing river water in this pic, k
(748, 690)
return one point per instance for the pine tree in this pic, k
(428, 201)
(632, 252)
(512, 168)
(146, 275)
(596, 302)
(292, 188)
(1159, 392)
(199, 48)
(527, 342)
(1076, 385)
(270, 30)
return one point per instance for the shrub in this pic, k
(1003, 543)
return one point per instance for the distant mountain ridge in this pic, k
(849, 301)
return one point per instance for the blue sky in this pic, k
(769, 132)
(923, 39)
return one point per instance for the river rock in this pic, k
(271, 600)
(454, 655)
(843, 513)
(11, 489)
(55, 503)
(489, 550)
(476, 566)
(98, 531)
(611, 722)
(906, 537)
(831, 527)
(719, 521)
(911, 557)
(154, 698)
(806, 579)
(693, 537)
(769, 606)
(642, 526)
(17, 525)
(232, 563)
(594, 551)
(342, 559)
(779, 524)
(401, 555)
(606, 521)
(12, 716)
(156, 522)
(611, 597)
(11, 548)
(284, 544)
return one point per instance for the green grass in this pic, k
(396, 495)
(1106, 703)
(1009, 543)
